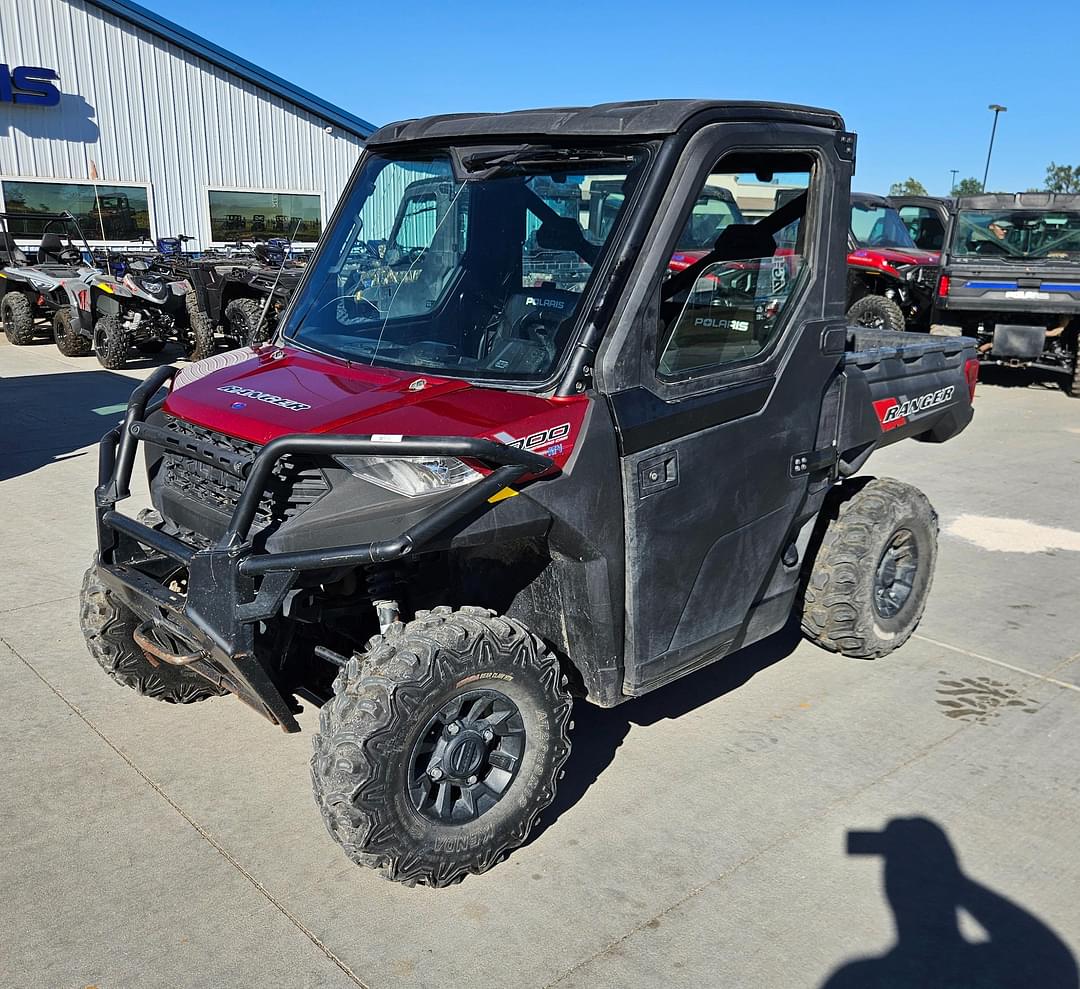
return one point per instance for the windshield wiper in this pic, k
(483, 164)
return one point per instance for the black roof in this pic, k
(932, 201)
(1021, 200)
(645, 118)
(869, 199)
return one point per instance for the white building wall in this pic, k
(147, 111)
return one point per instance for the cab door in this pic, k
(719, 434)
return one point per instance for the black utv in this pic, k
(1011, 279)
(241, 297)
(459, 493)
(926, 218)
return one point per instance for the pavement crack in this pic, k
(199, 829)
(1000, 662)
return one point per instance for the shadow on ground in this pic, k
(50, 417)
(605, 729)
(1020, 377)
(926, 890)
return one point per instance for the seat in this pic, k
(51, 249)
(9, 250)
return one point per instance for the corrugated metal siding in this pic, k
(147, 111)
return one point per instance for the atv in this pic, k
(51, 285)
(1011, 279)
(242, 297)
(143, 303)
(464, 489)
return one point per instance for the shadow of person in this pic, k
(926, 889)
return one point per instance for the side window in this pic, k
(925, 227)
(723, 300)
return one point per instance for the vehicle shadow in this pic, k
(926, 889)
(1019, 377)
(50, 417)
(598, 732)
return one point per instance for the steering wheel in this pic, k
(70, 254)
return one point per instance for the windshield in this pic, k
(480, 278)
(1025, 235)
(879, 226)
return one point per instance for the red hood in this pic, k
(258, 395)
(893, 256)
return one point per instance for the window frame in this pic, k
(147, 187)
(711, 376)
(206, 190)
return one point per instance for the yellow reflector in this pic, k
(502, 495)
(105, 288)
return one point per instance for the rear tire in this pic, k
(1072, 383)
(390, 725)
(870, 578)
(111, 342)
(69, 340)
(18, 317)
(243, 317)
(108, 627)
(878, 313)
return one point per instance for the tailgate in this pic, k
(900, 385)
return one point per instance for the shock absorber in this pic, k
(381, 583)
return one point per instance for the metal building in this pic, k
(142, 129)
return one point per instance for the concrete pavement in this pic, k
(701, 836)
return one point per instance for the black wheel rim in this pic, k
(894, 579)
(466, 758)
(99, 340)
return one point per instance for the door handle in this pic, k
(658, 473)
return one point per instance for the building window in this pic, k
(105, 212)
(257, 215)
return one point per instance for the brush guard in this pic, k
(231, 587)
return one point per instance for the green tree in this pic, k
(1062, 178)
(967, 187)
(909, 187)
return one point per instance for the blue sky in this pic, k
(913, 79)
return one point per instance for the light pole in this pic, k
(952, 185)
(997, 108)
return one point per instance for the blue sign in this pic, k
(29, 85)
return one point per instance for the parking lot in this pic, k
(708, 834)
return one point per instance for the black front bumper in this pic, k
(230, 586)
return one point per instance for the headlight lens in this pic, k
(411, 476)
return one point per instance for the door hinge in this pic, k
(813, 461)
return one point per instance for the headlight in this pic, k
(411, 476)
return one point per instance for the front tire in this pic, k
(69, 340)
(869, 581)
(1072, 383)
(18, 318)
(111, 342)
(878, 313)
(245, 319)
(199, 342)
(109, 626)
(441, 745)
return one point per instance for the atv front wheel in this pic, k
(869, 581)
(245, 317)
(109, 626)
(69, 341)
(878, 313)
(441, 745)
(18, 317)
(111, 342)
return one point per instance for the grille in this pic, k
(295, 483)
(925, 274)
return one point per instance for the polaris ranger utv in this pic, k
(447, 504)
(1011, 278)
